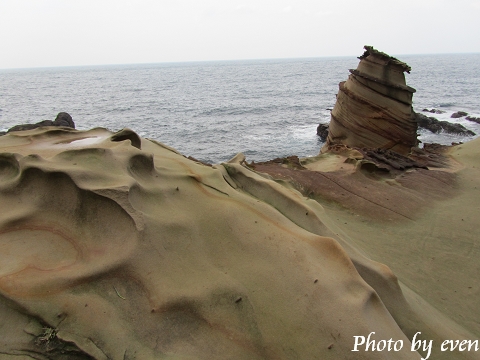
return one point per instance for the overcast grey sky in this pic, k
(87, 32)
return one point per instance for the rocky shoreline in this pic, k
(108, 228)
(114, 246)
(374, 112)
(435, 126)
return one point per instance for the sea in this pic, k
(213, 110)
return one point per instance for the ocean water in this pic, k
(213, 110)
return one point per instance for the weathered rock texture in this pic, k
(374, 106)
(118, 247)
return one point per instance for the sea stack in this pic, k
(374, 106)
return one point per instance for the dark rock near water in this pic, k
(434, 111)
(474, 119)
(322, 131)
(62, 119)
(436, 126)
(31, 126)
(458, 114)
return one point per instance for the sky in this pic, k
(47, 33)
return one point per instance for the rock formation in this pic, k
(434, 111)
(374, 106)
(458, 114)
(62, 119)
(437, 126)
(322, 131)
(473, 118)
(118, 247)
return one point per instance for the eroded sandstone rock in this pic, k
(374, 106)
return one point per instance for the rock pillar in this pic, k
(374, 106)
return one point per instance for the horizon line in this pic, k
(222, 60)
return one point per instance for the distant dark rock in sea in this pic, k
(322, 131)
(474, 119)
(436, 126)
(458, 114)
(62, 119)
(374, 106)
(434, 111)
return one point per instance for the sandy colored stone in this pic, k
(117, 247)
(374, 106)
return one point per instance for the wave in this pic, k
(446, 105)
(235, 111)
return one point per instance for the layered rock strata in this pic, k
(374, 106)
